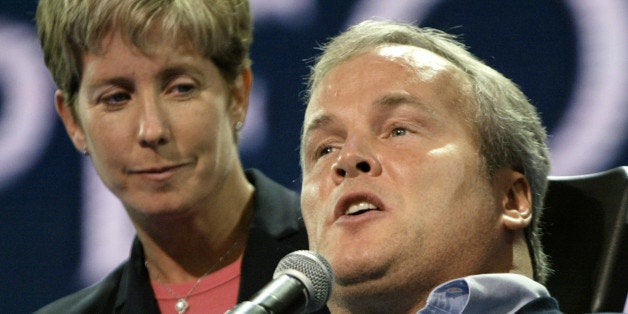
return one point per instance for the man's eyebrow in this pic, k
(388, 100)
(396, 99)
(391, 100)
(317, 123)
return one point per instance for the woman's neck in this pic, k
(186, 247)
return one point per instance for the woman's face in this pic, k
(159, 128)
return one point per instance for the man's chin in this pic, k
(362, 292)
(351, 273)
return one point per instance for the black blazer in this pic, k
(276, 230)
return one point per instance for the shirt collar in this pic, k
(499, 293)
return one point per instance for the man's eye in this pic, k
(324, 151)
(399, 132)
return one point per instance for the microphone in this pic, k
(301, 283)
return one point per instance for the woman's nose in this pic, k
(153, 124)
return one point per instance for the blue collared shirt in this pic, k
(486, 293)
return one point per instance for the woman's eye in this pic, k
(116, 99)
(183, 88)
(399, 132)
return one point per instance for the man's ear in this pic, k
(515, 198)
(241, 90)
(71, 123)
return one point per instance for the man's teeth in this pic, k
(359, 207)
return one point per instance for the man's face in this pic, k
(393, 188)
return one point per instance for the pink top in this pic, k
(217, 292)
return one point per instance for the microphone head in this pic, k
(313, 270)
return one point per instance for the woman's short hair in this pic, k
(221, 30)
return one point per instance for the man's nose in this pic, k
(356, 157)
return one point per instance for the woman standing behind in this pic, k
(155, 93)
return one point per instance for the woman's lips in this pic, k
(157, 173)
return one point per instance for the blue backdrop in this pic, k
(60, 230)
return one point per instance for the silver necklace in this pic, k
(182, 304)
